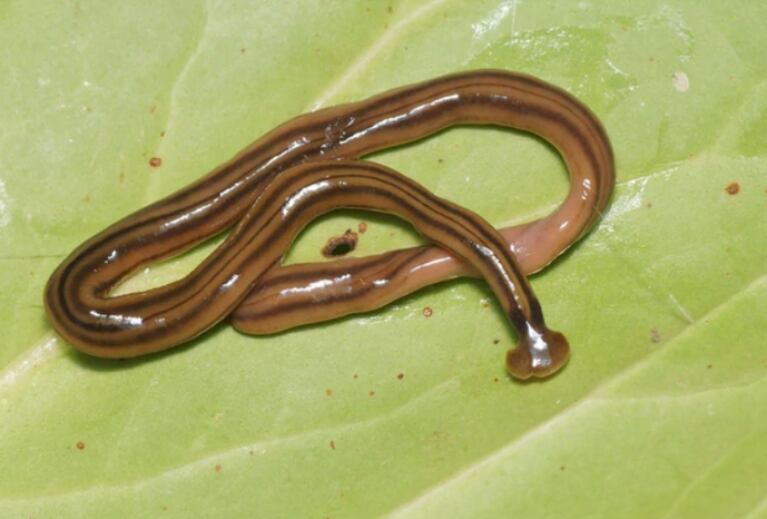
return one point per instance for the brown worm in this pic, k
(291, 296)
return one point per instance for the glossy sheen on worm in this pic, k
(164, 317)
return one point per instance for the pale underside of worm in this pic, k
(273, 298)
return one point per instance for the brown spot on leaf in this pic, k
(427, 311)
(217, 468)
(362, 227)
(80, 446)
(400, 376)
(152, 109)
(654, 335)
(155, 162)
(340, 245)
(496, 341)
(332, 445)
(371, 393)
(733, 188)
(328, 392)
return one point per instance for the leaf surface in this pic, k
(660, 412)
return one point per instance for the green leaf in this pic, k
(660, 412)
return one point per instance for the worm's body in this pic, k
(282, 297)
